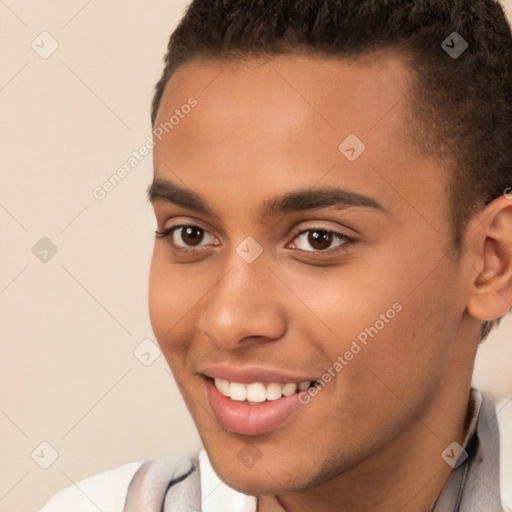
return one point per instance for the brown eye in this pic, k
(191, 235)
(320, 240)
(187, 237)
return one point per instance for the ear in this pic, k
(490, 237)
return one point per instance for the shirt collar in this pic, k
(475, 405)
(218, 496)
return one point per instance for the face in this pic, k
(301, 273)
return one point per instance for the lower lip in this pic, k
(251, 420)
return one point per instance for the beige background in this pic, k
(68, 373)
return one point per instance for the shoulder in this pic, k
(142, 483)
(503, 408)
(494, 456)
(104, 491)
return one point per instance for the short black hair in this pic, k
(460, 107)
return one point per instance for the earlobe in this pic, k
(491, 289)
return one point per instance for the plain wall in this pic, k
(70, 325)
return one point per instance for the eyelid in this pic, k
(184, 221)
(189, 220)
(319, 225)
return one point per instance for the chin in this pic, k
(274, 473)
(260, 482)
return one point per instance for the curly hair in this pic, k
(461, 108)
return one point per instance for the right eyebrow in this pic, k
(166, 191)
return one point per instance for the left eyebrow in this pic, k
(163, 190)
(315, 198)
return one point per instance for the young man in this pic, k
(333, 194)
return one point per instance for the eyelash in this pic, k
(347, 241)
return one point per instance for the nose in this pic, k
(243, 308)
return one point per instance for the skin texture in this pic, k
(373, 437)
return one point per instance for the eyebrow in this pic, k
(163, 190)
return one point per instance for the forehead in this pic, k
(287, 118)
(361, 91)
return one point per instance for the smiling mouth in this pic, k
(254, 408)
(258, 392)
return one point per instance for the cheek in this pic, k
(395, 319)
(159, 298)
(409, 355)
(348, 303)
(171, 300)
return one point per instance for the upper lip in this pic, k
(248, 374)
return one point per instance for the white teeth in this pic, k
(222, 386)
(304, 385)
(289, 389)
(274, 391)
(237, 391)
(258, 392)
